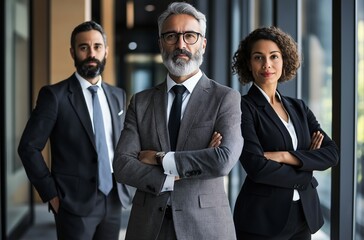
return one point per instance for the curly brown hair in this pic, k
(288, 47)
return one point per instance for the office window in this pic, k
(317, 84)
(16, 106)
(359, 218)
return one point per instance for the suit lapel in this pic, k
(262, 103)
(297, 123)
(197, 102)
(116, 110)
(160, 113)
(78, 102)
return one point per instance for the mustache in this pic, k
(90, 60)
(181, 51)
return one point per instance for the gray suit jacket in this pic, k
(199, 203)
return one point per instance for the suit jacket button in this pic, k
(160, 209)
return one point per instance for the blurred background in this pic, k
(330, 33)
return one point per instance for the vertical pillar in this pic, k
(344, 118)
(108, 22)
(64, 16)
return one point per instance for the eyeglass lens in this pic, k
(188, 37)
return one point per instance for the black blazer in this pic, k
(264, 201)
(61, 115)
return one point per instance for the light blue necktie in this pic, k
(105, 178)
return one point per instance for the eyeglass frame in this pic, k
(183, 36)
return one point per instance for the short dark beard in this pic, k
(87, 71)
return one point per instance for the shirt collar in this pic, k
(84, 83)
(189, 83)
(266, 96)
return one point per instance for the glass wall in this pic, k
(316, 26)
(140, 69)
(17, 97)
(245, 17)
(359, 219)
(143, 71)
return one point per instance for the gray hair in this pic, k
(182, 8)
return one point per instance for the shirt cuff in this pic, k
(168, 184)
(169, 165)
(170, 169)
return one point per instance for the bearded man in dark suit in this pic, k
(64, 115)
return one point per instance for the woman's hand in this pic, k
(287, 158)
(282, 157)
(316, 140)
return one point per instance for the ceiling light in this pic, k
(132, 45)
(149, 8)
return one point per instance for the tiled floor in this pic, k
(44, 227)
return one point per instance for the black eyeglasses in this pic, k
(189, 37)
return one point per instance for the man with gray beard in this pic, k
(181, 138)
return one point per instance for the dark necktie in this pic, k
(175, 115)
(105, 178)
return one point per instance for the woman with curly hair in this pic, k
(283, 144)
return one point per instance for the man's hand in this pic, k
(54, 204)
(215, 140)
(148, 157)
(316, 140)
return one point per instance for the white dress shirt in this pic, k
(169, 164)
(105, 112)
(291, 130)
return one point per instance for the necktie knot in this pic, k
(93, 89)
(178, 89)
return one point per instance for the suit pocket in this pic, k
(213, 200)
(203, 124)
(199, 135)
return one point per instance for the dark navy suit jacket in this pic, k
(61, 115)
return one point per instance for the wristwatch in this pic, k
(159, 157)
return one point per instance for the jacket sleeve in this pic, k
(127, 167)
(33, 140)
(319, 159)
(206, 162)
